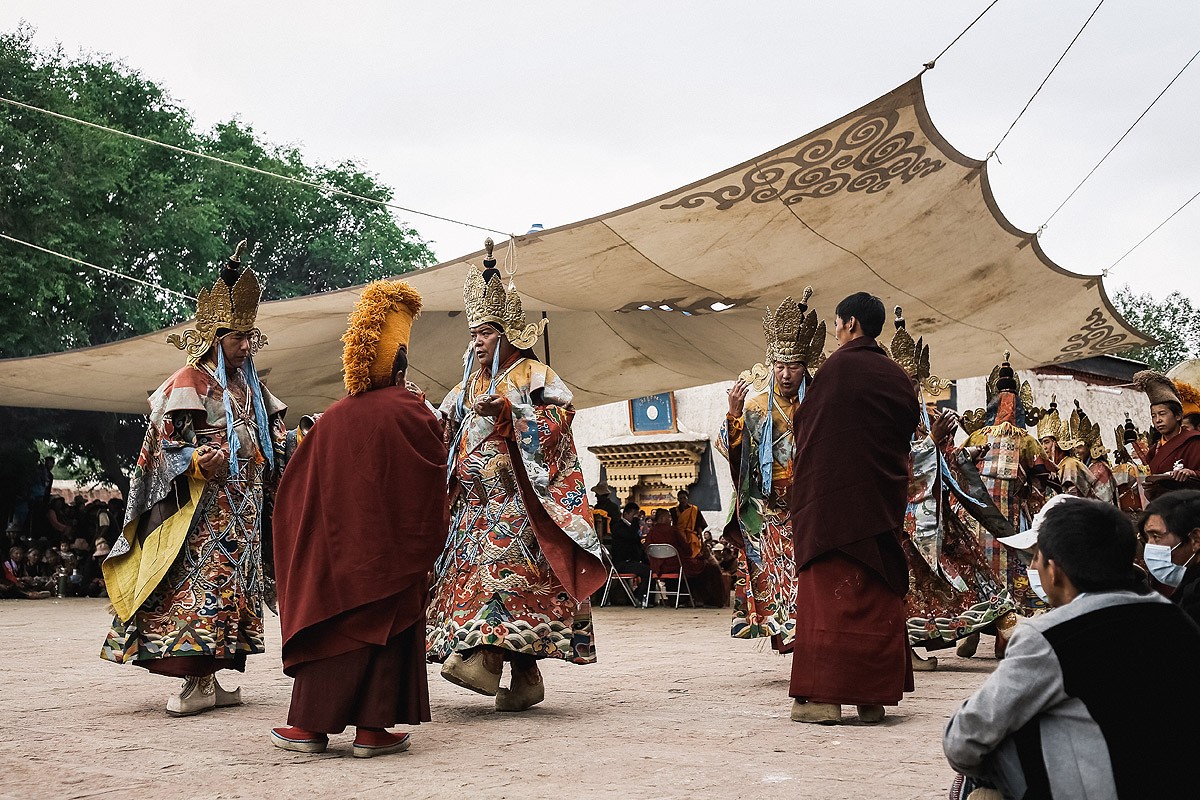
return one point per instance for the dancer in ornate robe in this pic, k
(1083, 471)
(185, 576)
(522, 559)
(1005, 466)
(952, 593)
(354, 547)
(756, 438)
(1128, 474)
(849, 494)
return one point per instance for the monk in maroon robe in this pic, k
(1174, 460)
(360, 519)
(848, 500)
(702, 571)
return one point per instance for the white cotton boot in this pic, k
(225, 698)
(197, 696)
(920, 664)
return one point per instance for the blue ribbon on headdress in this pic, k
(766, 442)
(265, 442)
(260, 412)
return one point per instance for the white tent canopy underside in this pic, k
(877, 201)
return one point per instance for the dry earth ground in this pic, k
(674, 708)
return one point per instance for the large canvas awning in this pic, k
(875, 201)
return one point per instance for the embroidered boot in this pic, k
(968, 645)
(525, 689)
(197, 696)
(1004, 631)
(479, 672)
(226, 698)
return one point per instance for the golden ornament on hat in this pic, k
(223, 306)
(794, 334)
(1049, 423)
(913, 358)
(488, 301)
(1079, 430)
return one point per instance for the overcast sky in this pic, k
(508, 114)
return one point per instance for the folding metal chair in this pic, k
(606, 558)
(682, 589)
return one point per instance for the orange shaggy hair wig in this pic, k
(1189, 397)
(379, 325)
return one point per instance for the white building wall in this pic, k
(699, 411)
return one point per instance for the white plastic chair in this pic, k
(682, 589)
(606, 558)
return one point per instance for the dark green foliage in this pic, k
(1173, 321)
(166, 217)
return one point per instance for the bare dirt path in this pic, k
(674, 708)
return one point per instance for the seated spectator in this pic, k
(81, 548)
(1074, 707)
(627, 554)
(727, 558)
(703, 574)
(51, 564)
(13, 579)
(1171, 530)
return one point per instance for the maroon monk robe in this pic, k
(360, 518)
(1182, 447)
(849, 494)
(702, 571)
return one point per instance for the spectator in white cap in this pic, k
(1026, 541)
(1069, 711)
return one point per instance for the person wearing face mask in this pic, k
(1171, 528)
(1059, 716)
(1027, 542)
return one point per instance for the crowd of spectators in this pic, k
(54, 547)
(710, 565)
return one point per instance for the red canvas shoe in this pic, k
(299, 740)
(370, 743)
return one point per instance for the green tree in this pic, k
(166, 217)
(1173, 321)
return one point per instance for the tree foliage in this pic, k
(1173, 321)
(166, 217)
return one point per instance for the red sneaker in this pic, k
(370, 743)
(299, 740)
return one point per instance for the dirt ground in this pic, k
(673, 708)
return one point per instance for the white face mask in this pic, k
(1035, 583)
(1165, 571)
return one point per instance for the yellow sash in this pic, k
(131, 578)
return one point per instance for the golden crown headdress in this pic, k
(231, 303)
(1079, 430)
(1004, 379)
(794, 334)
(913, 358)
(1049, 423)
(1127, 435)
(487, 300)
